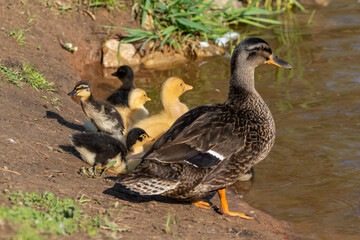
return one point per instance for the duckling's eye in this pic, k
(144, 95)
(180, 84)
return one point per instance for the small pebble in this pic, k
(204, 44)
(11, 140)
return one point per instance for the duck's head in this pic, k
(174, 87)
(81, 89)
(138, 98)
(247, 55)
(136, 138)
(126, 75)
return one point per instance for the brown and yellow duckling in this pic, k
(210, 146)
(121, 95)
(136, 110)
(98, 149)
(156, 125)
(104, 115)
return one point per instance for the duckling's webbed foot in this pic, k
(89, 172)
(108, 170)
(202, 204)
(224, 207)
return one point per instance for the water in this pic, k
(311, 177)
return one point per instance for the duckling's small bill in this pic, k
(278, 62)
(72, 93)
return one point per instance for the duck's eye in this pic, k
(262, 47)
(180, 84)
(144, 95)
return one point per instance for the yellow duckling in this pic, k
(158, 124)
(136, 110)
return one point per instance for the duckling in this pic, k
(136, 110)
(104, 116)
(101, 149)
(210, 147)
(121, 95)
(158, 124)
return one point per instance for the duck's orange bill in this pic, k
(278, 62)
(150, 139)
(187, 87)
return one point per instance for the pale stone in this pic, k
(210, 51)
(220, 3)
(159, 60)
(128, 55)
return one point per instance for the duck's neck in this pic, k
(127, 84)
(88, 98)
(168, 100)
(243, 78)
(136, 148)
(242, 86)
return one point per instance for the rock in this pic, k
(160, 60)
(128, 55)
(209, 51)
(234, 3)
(322, 3)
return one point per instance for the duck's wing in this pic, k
(112, 118)
(203, 137)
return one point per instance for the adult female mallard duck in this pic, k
(209, 147)
(101, 149)
(156, 125)
(121, 95)
(136, 110)
(104, 115)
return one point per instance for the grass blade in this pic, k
(192, 25)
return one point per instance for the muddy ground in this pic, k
(34, 136)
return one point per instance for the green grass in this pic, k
(178, 23)
(167, 225)
(278, 4)
(38, 216)
(26, 74)
(19, 36)
(89, 4)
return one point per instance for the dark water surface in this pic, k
(312, 176)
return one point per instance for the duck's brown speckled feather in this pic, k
(242, 140)
(211, 146)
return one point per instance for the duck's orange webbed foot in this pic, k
(108, 170)
(202, 204)
(224, 208)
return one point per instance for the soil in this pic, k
(34, 136)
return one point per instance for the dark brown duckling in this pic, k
(121, 95)
(100, 149)
(211, 146)
(104, 115)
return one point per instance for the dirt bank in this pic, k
(34, 138)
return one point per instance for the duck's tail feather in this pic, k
(150, 179)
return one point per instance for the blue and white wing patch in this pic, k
(205, 160)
